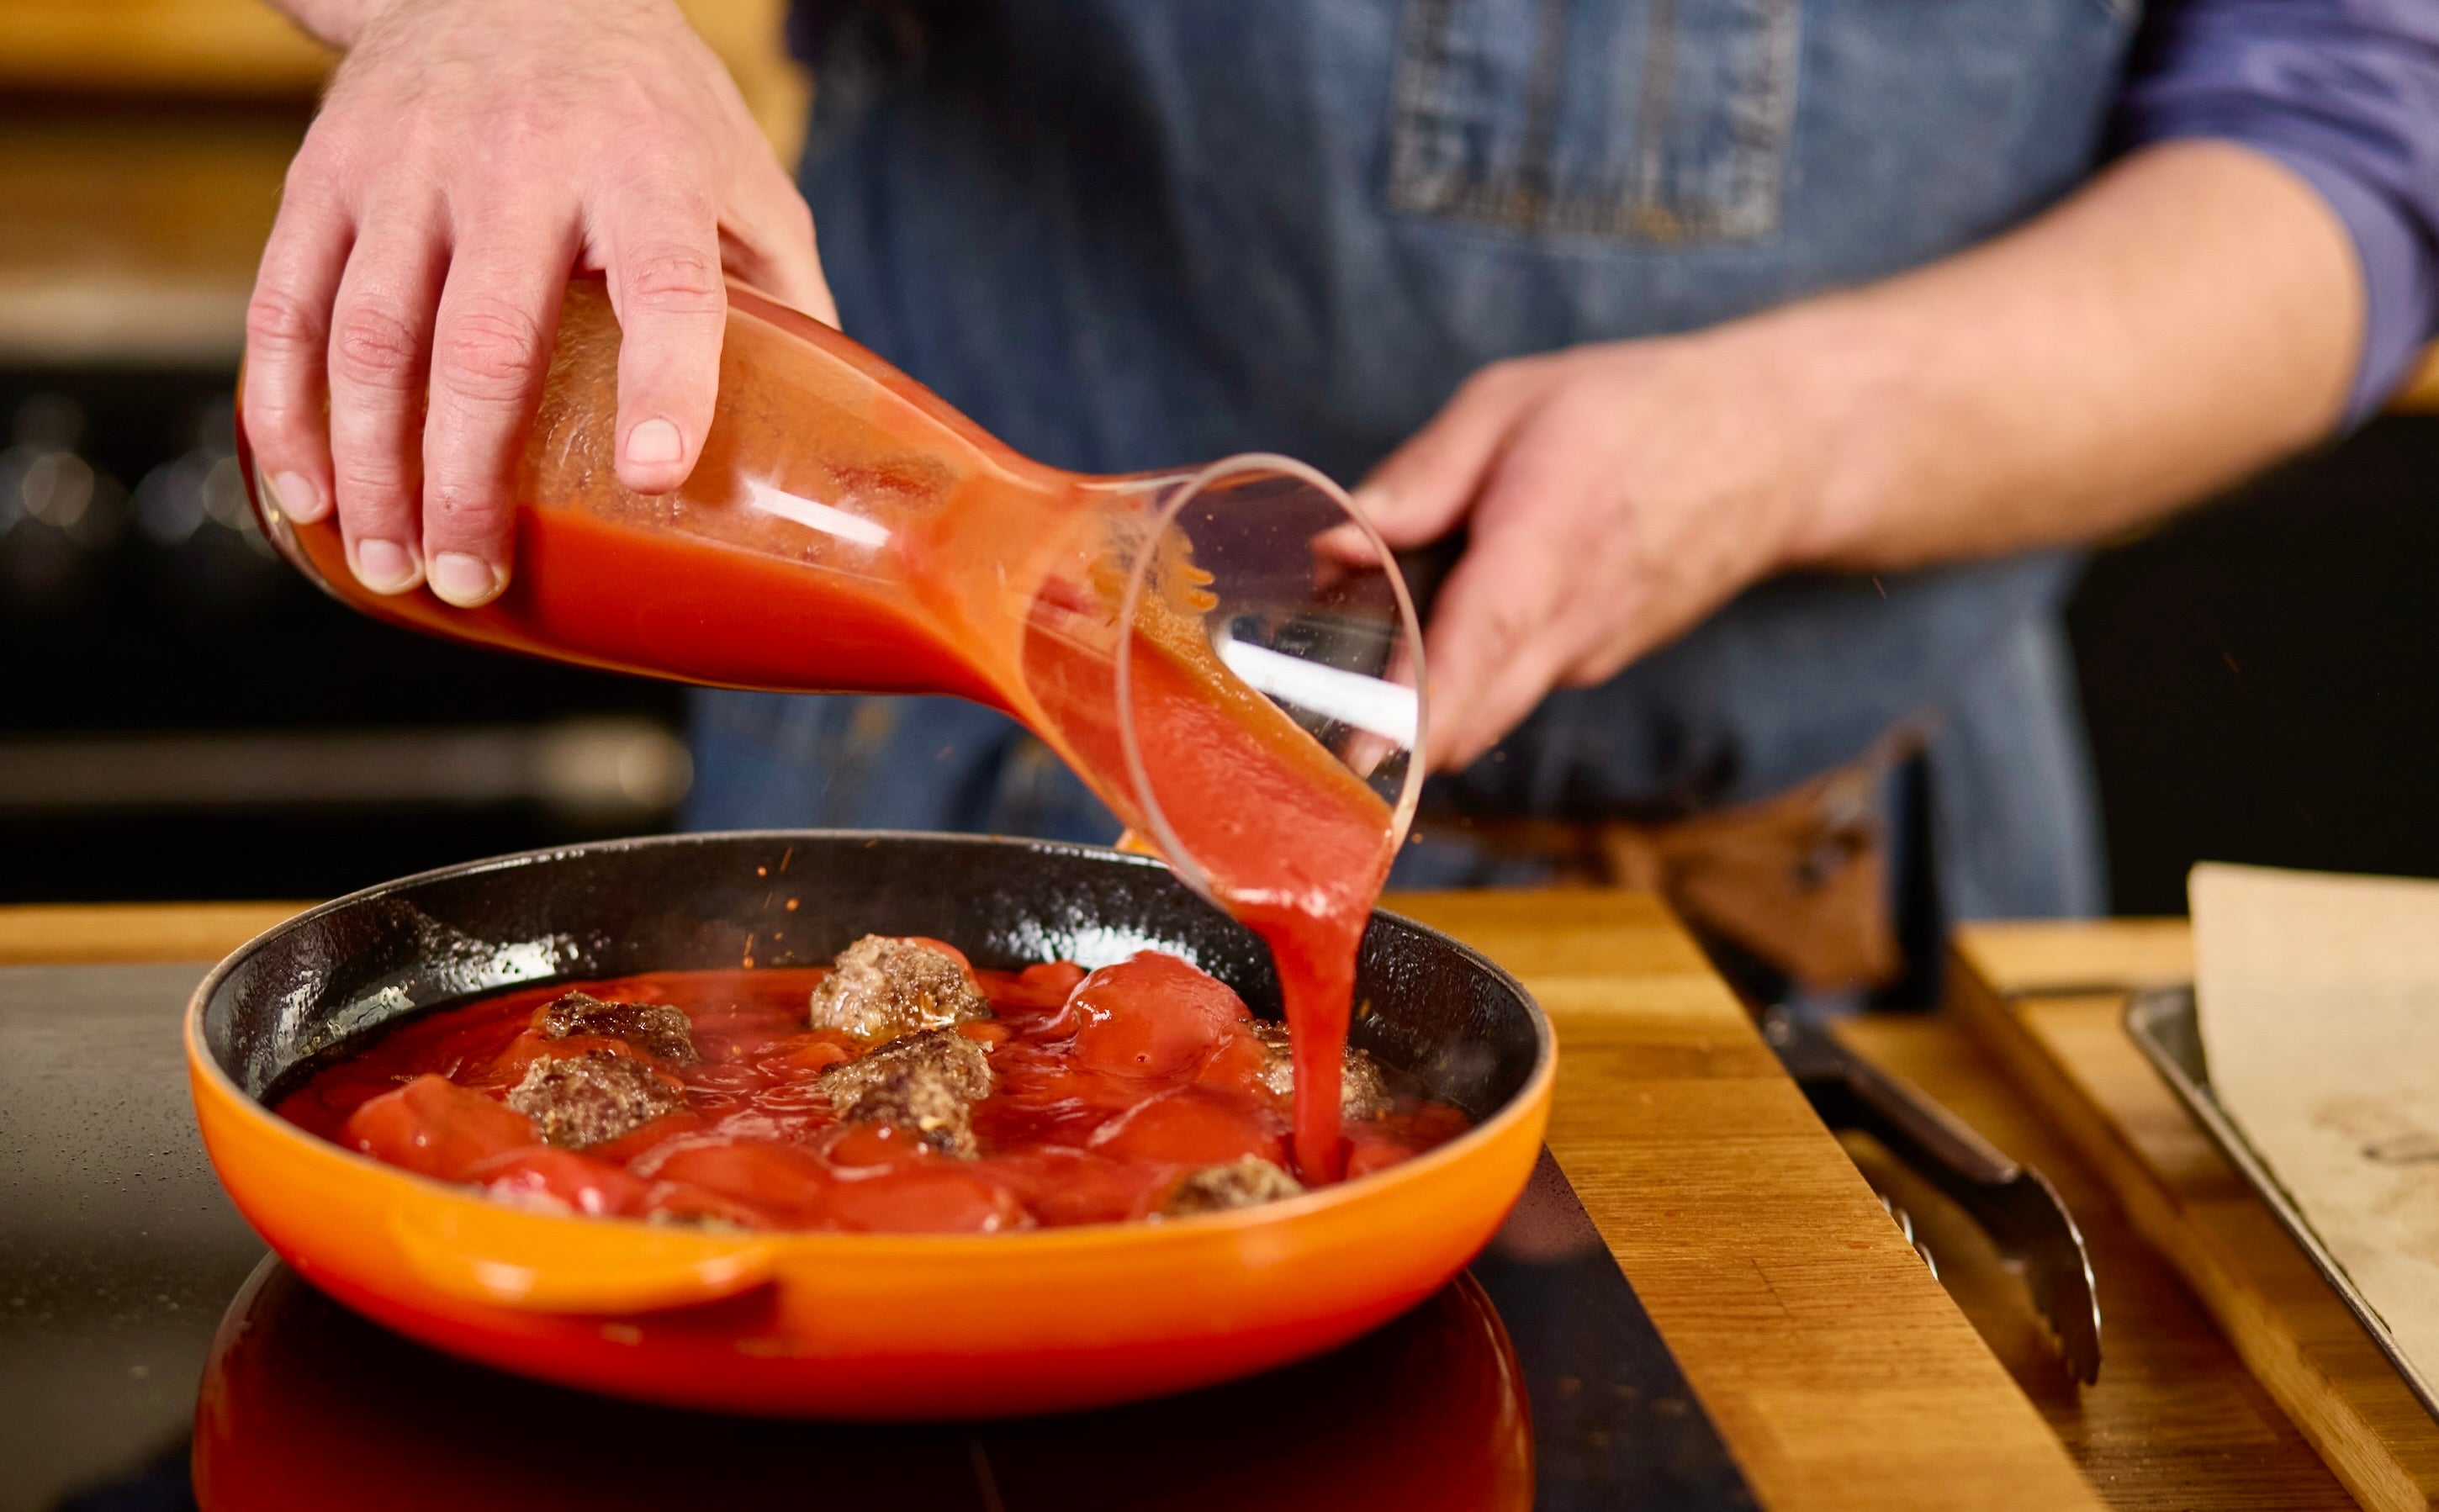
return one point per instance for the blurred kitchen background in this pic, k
(181, 716)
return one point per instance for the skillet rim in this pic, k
(1532, 1092)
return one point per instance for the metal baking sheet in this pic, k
(2165, 1026)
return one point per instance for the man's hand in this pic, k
(470, 155)
(2188, 316)
(1616, 494)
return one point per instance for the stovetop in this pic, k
(1536, 1374)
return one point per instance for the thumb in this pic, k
(1490, 646)
(1420, 492)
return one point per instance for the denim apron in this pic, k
(1124, 234)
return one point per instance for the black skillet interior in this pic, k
(1437, 1010)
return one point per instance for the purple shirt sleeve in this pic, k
(2346, 94)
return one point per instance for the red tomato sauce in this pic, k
(1293, 845)
(1109, 1089)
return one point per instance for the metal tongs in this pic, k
(2015, 1205)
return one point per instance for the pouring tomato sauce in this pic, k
(845, 530)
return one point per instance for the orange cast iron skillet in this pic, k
(847, 1325)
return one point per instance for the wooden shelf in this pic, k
(239, 48)
(131, 236)
(135, 206)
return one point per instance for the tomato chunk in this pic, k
(1196, 1126)
(945, 949)
(1074, 1186)
(1151, 1015)
(1366, 1153)
(679, 1203)
(1238, 1061)
(789, 1187)
(930, 1198)
(436, 1128)
(853, 1144)
(804, 1055)
(560, 1181)
(1043, 987)
(641, 1139)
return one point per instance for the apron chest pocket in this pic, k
(1662, 121)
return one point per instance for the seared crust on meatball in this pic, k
(882, 987)
(591, 1098)
(655, 1028)
(924, 1084)
(1361, 1091)
(1241, 1183)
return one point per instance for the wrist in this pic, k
(1839, 385)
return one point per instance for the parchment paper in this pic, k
(2319, 999)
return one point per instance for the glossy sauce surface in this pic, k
(1109, 1089)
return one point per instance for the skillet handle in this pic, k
(475, 1252)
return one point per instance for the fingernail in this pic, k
(1370, 500)
(386, 567)
(655, 440)
(294, 496)
(464, 579)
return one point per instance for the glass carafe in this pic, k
(1224, 655)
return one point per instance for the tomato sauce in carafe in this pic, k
(843, 531)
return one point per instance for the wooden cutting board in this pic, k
(2048, 1000)
(85, 933)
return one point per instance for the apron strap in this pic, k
(1799, 880)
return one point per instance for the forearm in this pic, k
(2192, 314)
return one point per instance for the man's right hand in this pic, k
(469, 157)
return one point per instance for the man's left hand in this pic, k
(1616, 494)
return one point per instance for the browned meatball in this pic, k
(655, 1028)
(924, 1084)
(1361, 1091)
(1241, 1183)
(880, 987)
(591, 1098)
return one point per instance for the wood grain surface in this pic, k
(1839, 1372)
(245, 50)
(142, 168)
(132, 234)
(39, 933)
(2054, 957)
(2174, 1422)
(2068, 1052)
(232, 47)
